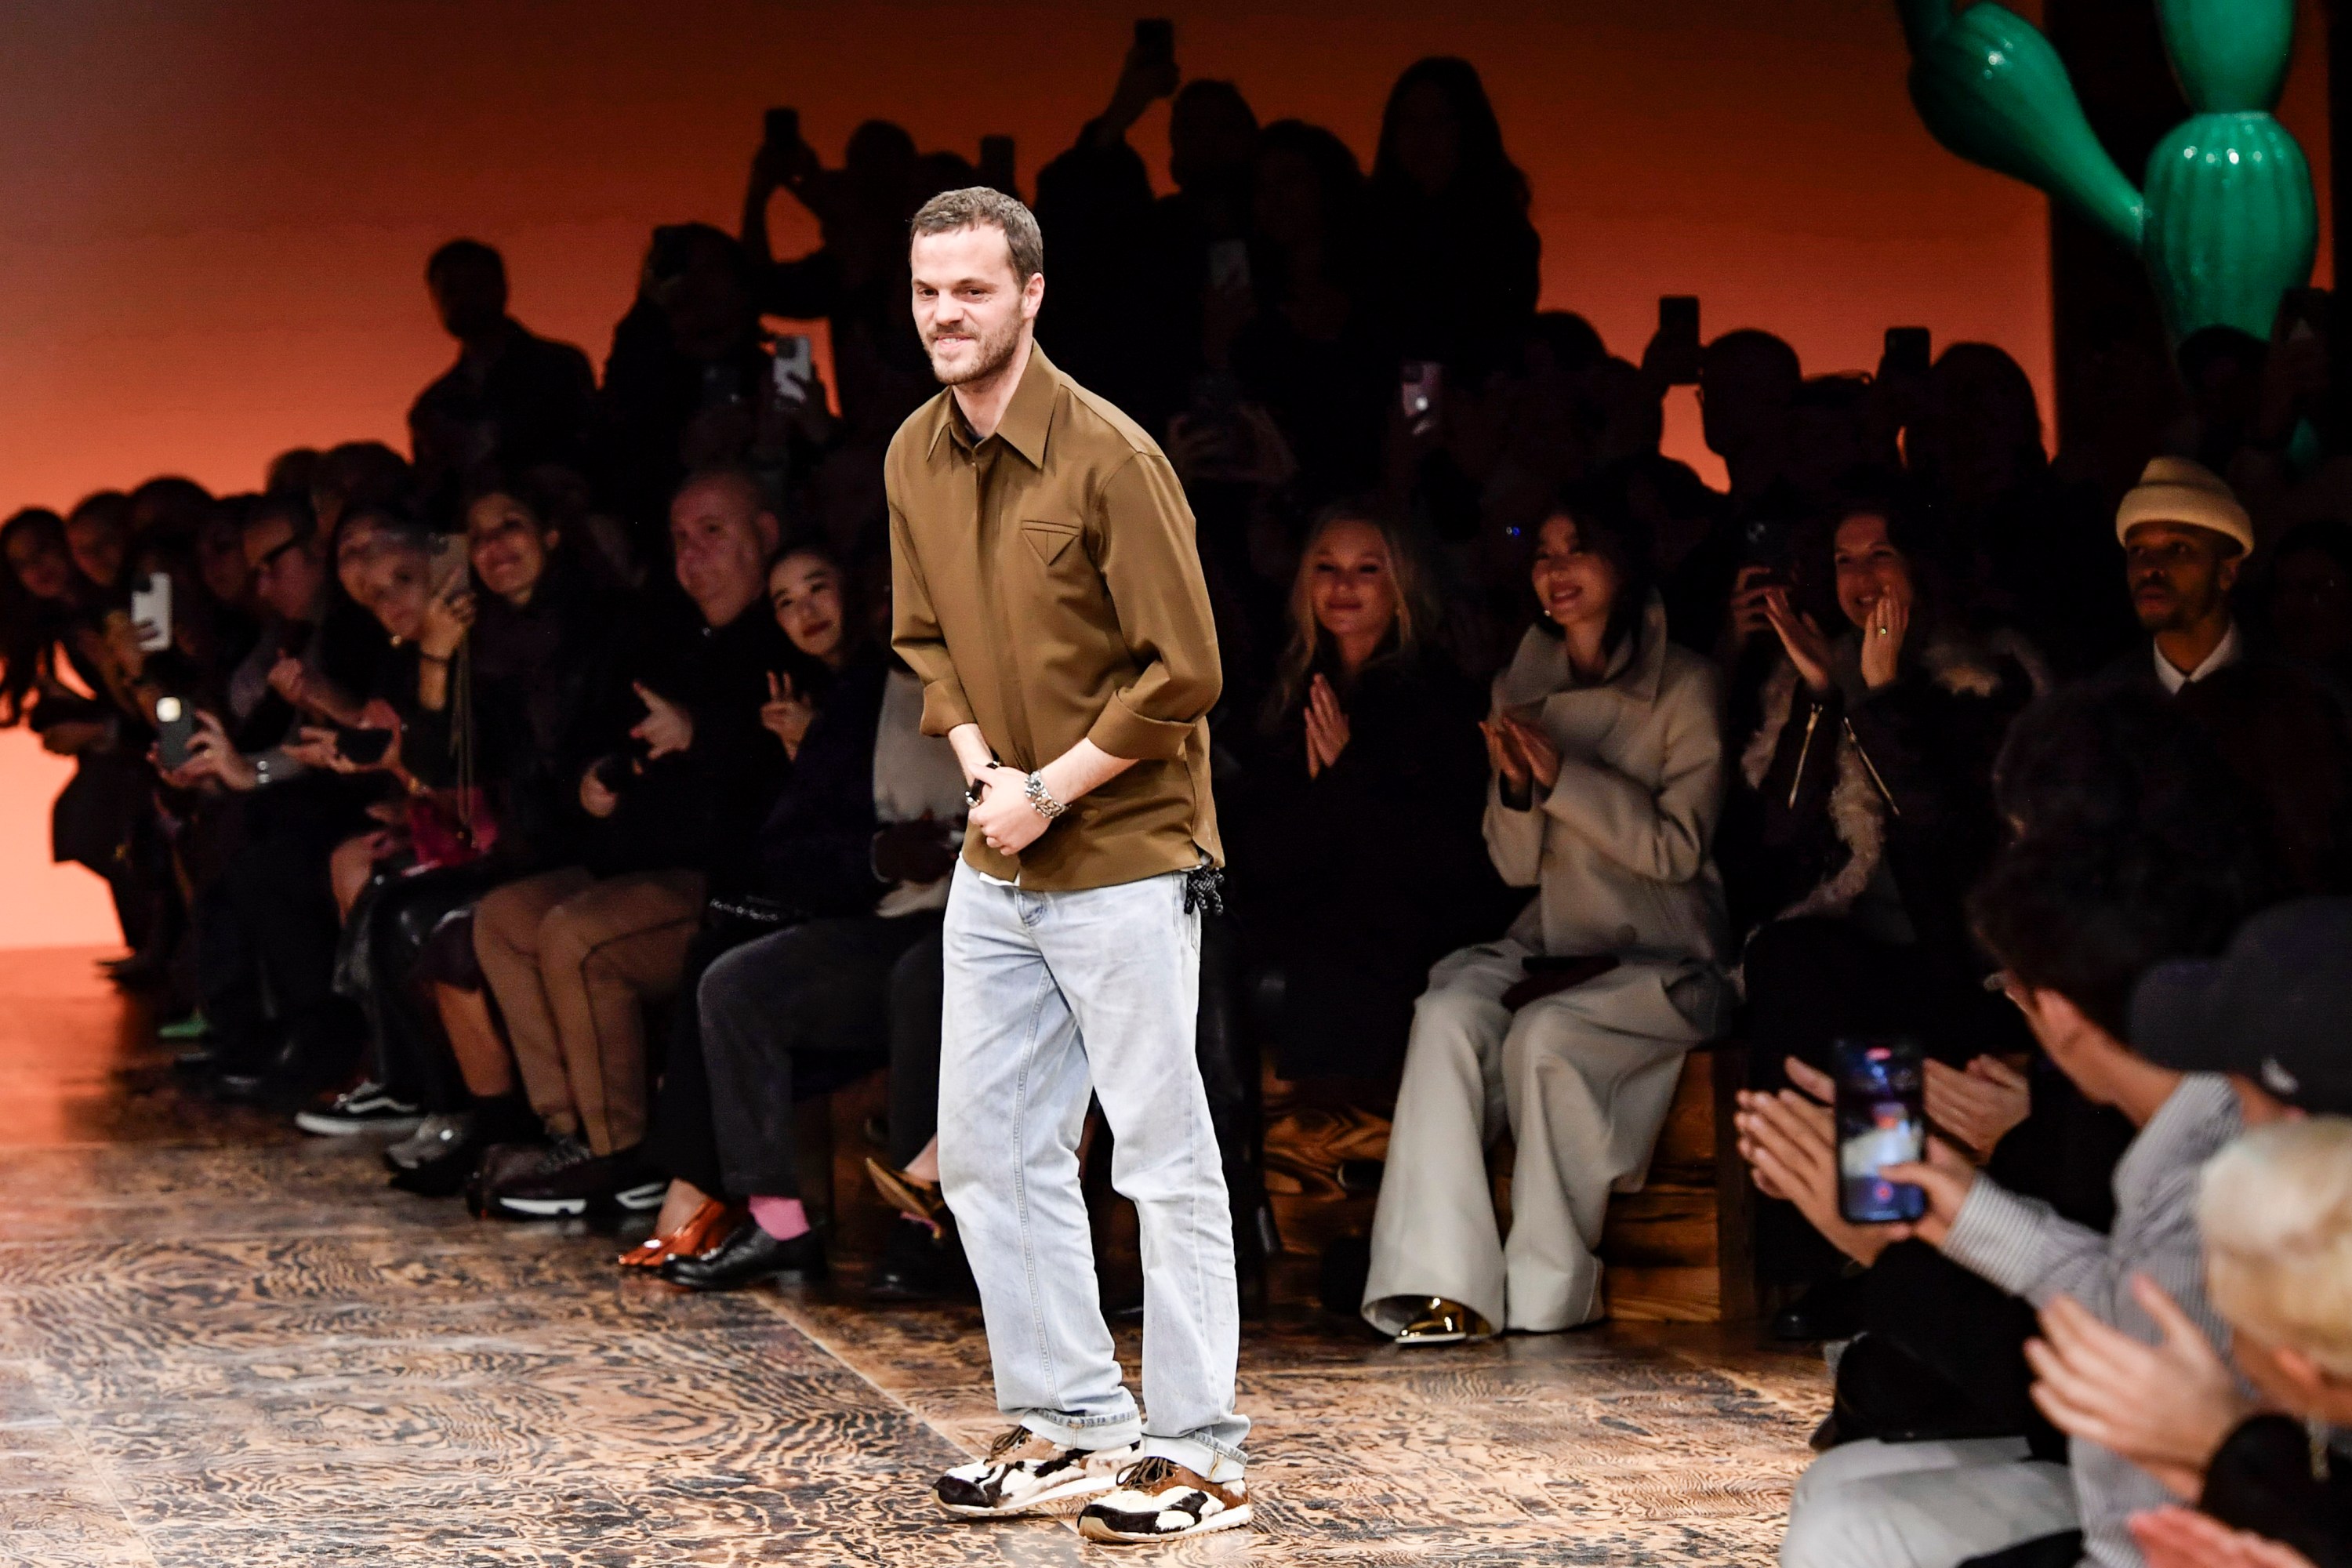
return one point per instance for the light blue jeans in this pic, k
(1049, 995)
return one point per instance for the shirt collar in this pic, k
(2227, 652)
(1027, 418)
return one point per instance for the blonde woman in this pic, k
(1369, 744)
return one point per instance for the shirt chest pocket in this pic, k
(1053, 541)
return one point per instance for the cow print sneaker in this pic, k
(1159, 1500)
(1024, 1471)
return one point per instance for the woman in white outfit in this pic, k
(1570, 1032)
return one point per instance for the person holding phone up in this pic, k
(2071, 945)
(1862, 814)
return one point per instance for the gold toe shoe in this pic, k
(918, 1199)
(1444, 1322)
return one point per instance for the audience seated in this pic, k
(2185, 538)
(1608, 776)
(653, 853)
(2275, 1212)
(1368, 737)
(522, 697)
(2073, 917)
(262, 824)
(852, 873)
(572, 955)
(1863, 815)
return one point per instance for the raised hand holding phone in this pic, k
(1882, 1122)
(1790, 1144)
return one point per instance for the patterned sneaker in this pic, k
(1159, 1500)
(369, 1108)
(1024, 1471)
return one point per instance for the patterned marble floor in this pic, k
(221, 1343)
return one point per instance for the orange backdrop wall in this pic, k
(213, 217)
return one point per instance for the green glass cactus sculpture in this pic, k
(2225, 220)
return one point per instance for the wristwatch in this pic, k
(1043, 804)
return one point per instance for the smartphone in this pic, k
(362, 746)
(996, 166)
(781, 128)
(1764, 541)
(1155, 38)
(175, 726)
(1882, 1120)
(1909, 350)
(1678, 335)
(1419, 382)
(452, 563)
(1229, 264)
(150, 612)
(794, 367)
(2303, 313)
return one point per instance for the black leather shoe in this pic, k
(748, 1257)
(917, 1266)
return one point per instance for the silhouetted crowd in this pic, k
(551, 799)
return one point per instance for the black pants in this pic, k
(787, 1018)
(376, 970)
(1942, 1355)
(268, 926)
(1814, 980)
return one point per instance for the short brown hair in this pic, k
(979, 207)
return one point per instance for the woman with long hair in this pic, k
(41, 592)
(1862, 815)
(1456, 256)
(1608, 776)
(1367, 744)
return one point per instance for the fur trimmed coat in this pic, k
(1842, 788)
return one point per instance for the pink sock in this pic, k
(783, 1218)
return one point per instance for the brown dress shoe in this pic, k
(704, 1228)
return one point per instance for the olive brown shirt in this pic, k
(1046, 588)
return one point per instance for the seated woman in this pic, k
(1570, 1030)
(537, 635)
(853, 862)
(1369, 738)
(447, 738)
(1863, 815)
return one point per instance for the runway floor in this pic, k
(224, 1343)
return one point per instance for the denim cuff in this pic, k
(1199, 1454)
(1084, 1431)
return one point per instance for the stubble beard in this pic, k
(991, 355)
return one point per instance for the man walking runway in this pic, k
(1049, 595)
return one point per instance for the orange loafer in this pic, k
(704, 1228)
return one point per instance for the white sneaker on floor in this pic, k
(1159, 1500)
(1024, 1471)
